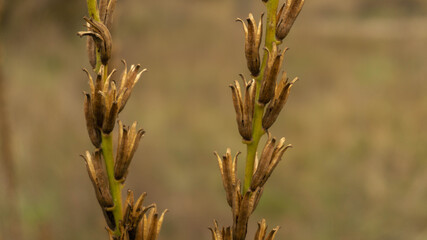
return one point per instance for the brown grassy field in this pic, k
(358, 169)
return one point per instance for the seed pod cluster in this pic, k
(262, 231)
(137, 223)
(221, 234)
(274, 63)
(106, 9)
(105, 101)
(242, 205)
(287, 16)
(244, 107)
(270, 157)
(101, 36)
(253, 36)
(281, 94)
(127, 144)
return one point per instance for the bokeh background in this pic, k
(357, 118)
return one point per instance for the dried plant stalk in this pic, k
(255, 114)
(102, 105)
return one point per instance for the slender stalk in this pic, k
(93, 13)
(115, 186)
(257, 130)
(93, 9)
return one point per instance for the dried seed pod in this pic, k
(280, 97)
(287, 16)
(91, 52)
(149, 227)
(98, 176)
(253, 36)
(133, 214)
(228, 168)
(93, 131)
(109, 13)
(128, 143)
(261, 231)
(102, 9)
(128, 81)
(102, 38)
(223, 234)
(247, 206)
(274, 62)
(273, 233)
(270, 157)
(244, 107)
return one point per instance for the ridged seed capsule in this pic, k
(253, 36)
(287, 16)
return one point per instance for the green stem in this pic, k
(93, 9)
(115, 186)
(257, 129)
(94, 14)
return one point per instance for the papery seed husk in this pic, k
(102, 9)
(160, 222)
(252, 47)
(120, 164)
(264, 162)
(246, 208)
(274, 108)
(94, 133)
(262, 229)
(91, 51)
(288, 17)
(268, 81)
(106, 47)
(110, 120)
(273, 233)
(274, 163)
(109, 14)
(102, 180)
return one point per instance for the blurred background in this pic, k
(357, 117)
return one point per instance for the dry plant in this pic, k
(102, 106)
(256, 112)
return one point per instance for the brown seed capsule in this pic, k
(280, 97)
(98, 176)
(150, 225)
(262, 230)
(272, 234)
(101, 36)
(287, 16)
(253, 36)
(128, 143)
(228, 168)
(270, 157)
(128, 81)
(93, 131)
(244, 107)
(102, 9)
(246, 208)
(109, 14)
(274, 63)
(221, 234)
